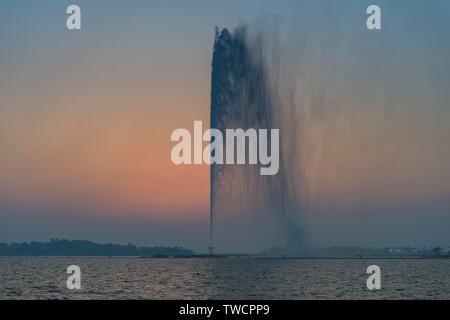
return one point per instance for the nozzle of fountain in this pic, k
(210, 250)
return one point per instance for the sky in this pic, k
(86, 118)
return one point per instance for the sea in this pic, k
(222, 278)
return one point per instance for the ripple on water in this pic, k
(133, 278)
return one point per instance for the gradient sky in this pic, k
(86, 117)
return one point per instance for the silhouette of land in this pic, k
(359, 252)
(62, 247)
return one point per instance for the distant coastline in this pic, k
(67, 248)
(339, 252)
(63, 247)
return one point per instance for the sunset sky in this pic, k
(86, 118)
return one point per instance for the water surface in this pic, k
(203, 278)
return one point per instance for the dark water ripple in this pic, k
(136, 278)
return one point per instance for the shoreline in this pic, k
(232, 257)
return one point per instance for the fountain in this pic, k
(245, 94)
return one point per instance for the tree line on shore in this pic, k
(63, 247)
